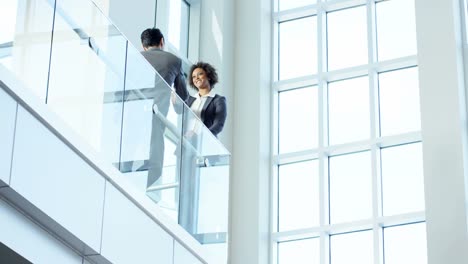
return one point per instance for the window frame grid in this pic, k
(324, 151)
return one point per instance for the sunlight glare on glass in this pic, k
(305, 251)
(399, 102)
(348, 110)
(298, 119)
(405, 244)
(8, 14)
(350, 187)
(396, 29)
(356, 247)
(347, 38)
(184, 31)
(175, 13)
(298, 48)
(402, 179)
(298, 195)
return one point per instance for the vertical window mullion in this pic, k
(374, 133)
(323, 132)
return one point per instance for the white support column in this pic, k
(216, 46)
(250, 174)
(443, 118)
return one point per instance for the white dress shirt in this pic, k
(197, 107)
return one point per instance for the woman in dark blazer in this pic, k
(207, 105)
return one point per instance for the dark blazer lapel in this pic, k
(190, 100)
(207, 103)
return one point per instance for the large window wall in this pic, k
(347, 176)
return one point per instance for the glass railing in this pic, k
(77, 62)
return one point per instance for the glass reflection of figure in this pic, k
(169, 67)
(210, 108)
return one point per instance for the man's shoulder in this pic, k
(161, 53)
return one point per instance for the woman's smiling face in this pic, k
(199, 79)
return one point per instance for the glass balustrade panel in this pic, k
(25, 39)
(112, 98)
(204, 182)
(86, 75)
(152, 130)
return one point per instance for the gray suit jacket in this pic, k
(169, 67)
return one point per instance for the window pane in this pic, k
(298, 195)
(396, 29)
(298, 48)
(352, 248)
(184, 31)
(347, 38)
(399, 102)
(306, 251)
(298, 119)
(405, 244)
(178, 25)
(348, 110)
(402, 179)
(288, 4)
(350, 187)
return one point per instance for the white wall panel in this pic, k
(125, 224)
(57, 181)
(183, 256)
(7, 127)
(31, 241)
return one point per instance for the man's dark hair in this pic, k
(210, 73)
(151, 37)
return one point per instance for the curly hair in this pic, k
(210, 73)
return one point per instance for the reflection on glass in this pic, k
(298, 199)
(203, 181)
(305, 251)
(402, 179)
(137, 125)
(348, 110)
(399, 102)
(297, 48)
(151, 133)
(25, 41)
(178, 25)
(396, 29)
(288, 4)
(405, 244)
(347, 38)
(298, 119)
(356, 247)
(350, 187)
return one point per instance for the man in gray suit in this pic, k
(169, 67)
